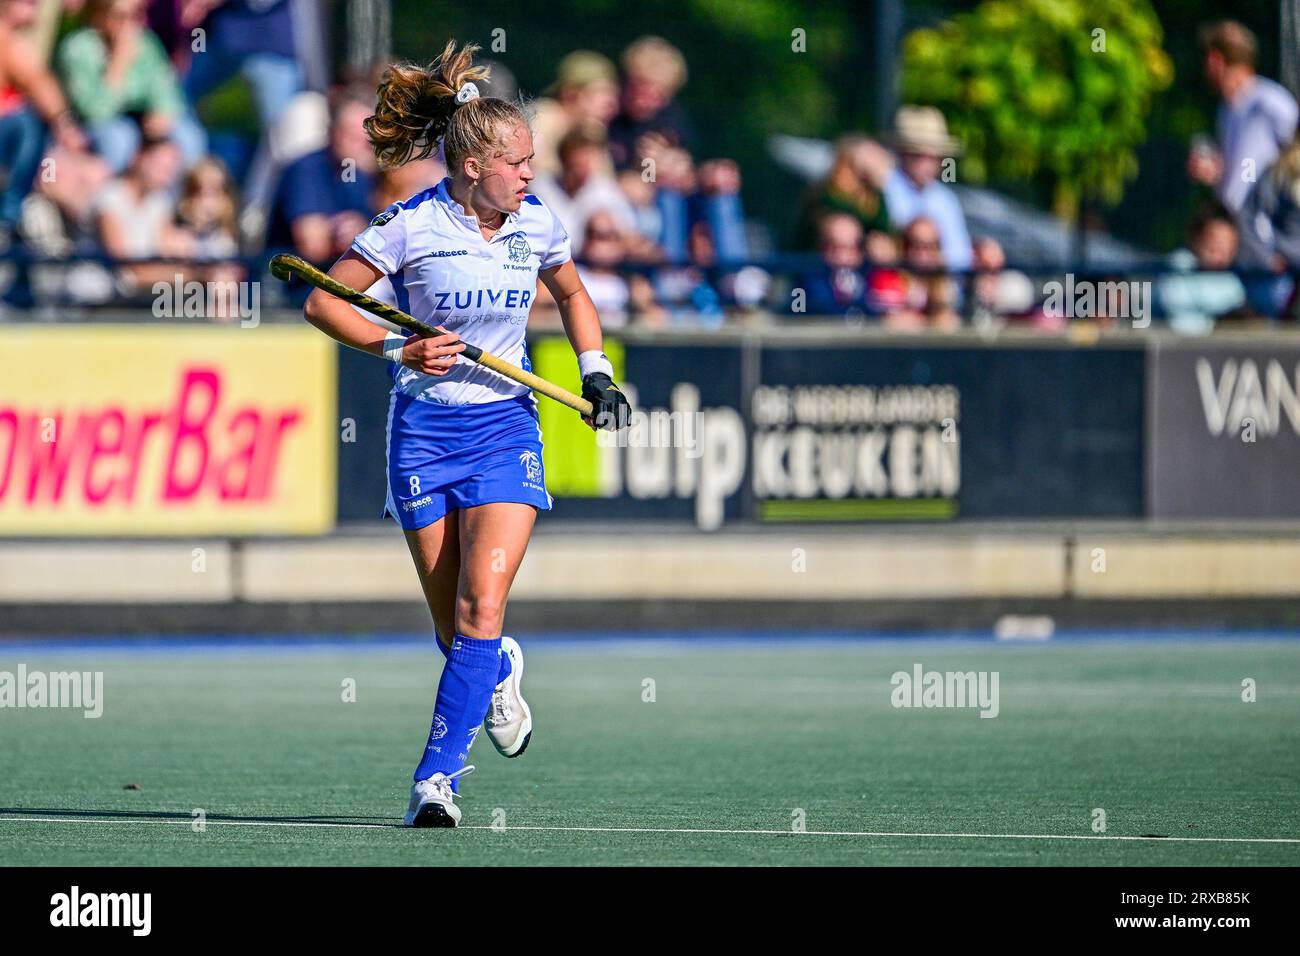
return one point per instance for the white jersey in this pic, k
(445, 273)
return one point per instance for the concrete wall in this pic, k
(791, 565)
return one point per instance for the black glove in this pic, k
(609, 406)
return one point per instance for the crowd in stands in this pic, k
(1244, 244)
(894, 245)
(109, 183)
(103, 159)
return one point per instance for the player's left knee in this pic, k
(480, 615)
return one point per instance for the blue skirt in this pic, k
(444, 457)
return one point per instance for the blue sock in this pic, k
(502, 674)
(464, 692)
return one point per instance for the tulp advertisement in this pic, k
(166, 430)
(798, 430)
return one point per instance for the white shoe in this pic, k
(432, 802)
(509, 722)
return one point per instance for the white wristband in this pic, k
(594, 361)
(393, 345)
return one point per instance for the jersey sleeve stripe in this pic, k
(398, 279)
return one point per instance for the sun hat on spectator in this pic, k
(922, 129)
(580, 69)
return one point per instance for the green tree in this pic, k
(1051, 90)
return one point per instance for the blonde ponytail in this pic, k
(419, 107)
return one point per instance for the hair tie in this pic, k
(466, 93)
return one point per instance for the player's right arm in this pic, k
(432, 355)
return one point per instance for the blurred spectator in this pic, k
(839, 286)
(686, 290)
(57, 218)
(205, 216)
(1256, 119)
(748, 292)
(688, 298)
(855, 185)
(997, 292)
(643, 244)
(886, 285)
(585, 91)
(671, 171)
(619, 296)
(206, 211)
(121, 82)
(278, 49)
(326, 197)
(1269, 236)
(651, 135)
(137, 212)
(584, 185)
(930, 296)
(1270, 216)
(649, 120)
(882, 249)
(717, 205)
(913, 188)
(685, 198)
(60, 221)
(43, 28)
(1206, 288)
(256, 38)
(30, 102)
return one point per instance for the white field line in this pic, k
(552, 829)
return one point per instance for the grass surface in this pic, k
(739, 737)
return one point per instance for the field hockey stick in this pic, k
(284, 266)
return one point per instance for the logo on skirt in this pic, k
(532, 465)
